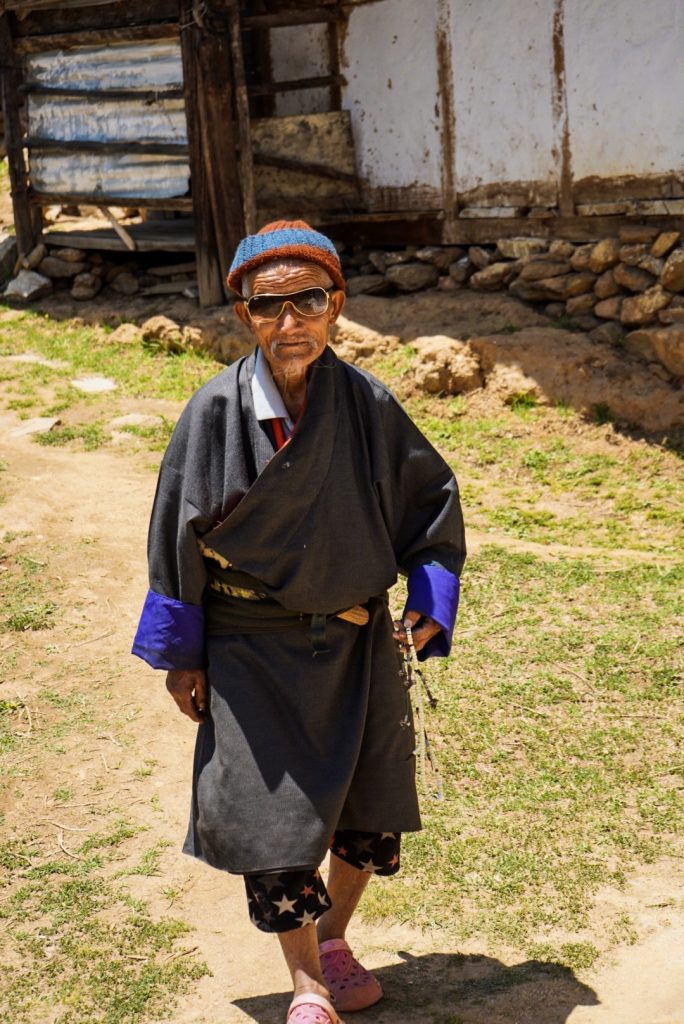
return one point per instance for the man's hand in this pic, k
(425, 631)
(188, 687)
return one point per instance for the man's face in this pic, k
(293, 341)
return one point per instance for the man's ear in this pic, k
(337, 300)
(241, 310)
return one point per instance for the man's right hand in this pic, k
(188, 687)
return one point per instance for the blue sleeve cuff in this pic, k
(433, 591)
(170, 633)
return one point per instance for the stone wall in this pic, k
(627, 290)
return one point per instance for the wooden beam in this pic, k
(209, 277)
(144, 95)
(95, 37)
(244, 135)
(24, 223)
(181, 203)
(94, 146)
(283, 19)
(120, 230)
(334, 34)
(294, 84)
(299, 167)
(176, 237)
(219, 146)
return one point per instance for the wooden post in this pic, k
(209, 277)
(219, 146)
(25, 223)
(246, 163)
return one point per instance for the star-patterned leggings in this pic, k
(285, 900)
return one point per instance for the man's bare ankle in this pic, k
(312, 986)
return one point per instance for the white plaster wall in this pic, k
(502, 72)
(300, 52)
(390, 64)
(625, 82)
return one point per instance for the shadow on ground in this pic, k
(443, 988)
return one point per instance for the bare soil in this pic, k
(88, 511)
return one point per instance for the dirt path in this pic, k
(89, 511)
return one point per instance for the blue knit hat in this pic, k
(285, 239)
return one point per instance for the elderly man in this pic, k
(293, 491)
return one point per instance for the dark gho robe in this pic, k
(298, 742)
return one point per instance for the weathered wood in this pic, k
(144, 95)
(209, 277)
(219, 146)
(180, 203)
(95, 37)
(95, 146)
(169, 269)
(281, 19)
(120, 230)
(117, 14)
(295, 84)
(152, 236)
(300, 167)
(334, 34)
(24, 223)
(169, 287)
(242, 103)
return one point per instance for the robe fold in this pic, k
(298, 742)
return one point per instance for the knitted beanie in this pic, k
(288, 240)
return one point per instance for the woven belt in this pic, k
(358, 615)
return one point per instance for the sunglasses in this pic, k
(264, 309)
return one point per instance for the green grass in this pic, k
(24, 588)
(558, 730)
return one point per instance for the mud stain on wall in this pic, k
(559, 105)
(447, 114)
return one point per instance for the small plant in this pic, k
(603, 414)
(522, 402)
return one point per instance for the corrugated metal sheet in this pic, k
(142, 67)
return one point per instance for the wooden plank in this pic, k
(209, 276)
(282, 19)
(302, 167)
(296, 84)
(169, 269)
(114, 15)
(144, 95)
(152, 236)
(242, 102)
(93, 146)
(335, 36)
(180, 203)
(24, 223)
(95, 37)
(219, 146)
(120, 230)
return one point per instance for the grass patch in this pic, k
(23, 588)
(93, 435)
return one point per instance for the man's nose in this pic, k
(288, 317)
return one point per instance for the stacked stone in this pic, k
(86, 273)
(626, 290)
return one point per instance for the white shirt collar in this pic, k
(268, 402)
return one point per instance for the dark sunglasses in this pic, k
(309, 302)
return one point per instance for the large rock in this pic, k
(606, 285)
(8, 256)
(126, 334)
(377, 259)
(85, 286)
(493, 276)
(560, 249)
(654, 264)
(446, 366)
(412, 277)
(632, 278)
(537, 270)
(604, 254)
(633, 253)
(461, 270)
(125, 284)
(671, 316)
(69, 255)
(441, 256)
(558, 366)
(564, 287)
(162, 332)
(519, 248)
(27, 286)
(610, 333)
(479, 257)
(672, 276)
(664, 243)
(357, 343)
(581, 256)
(609, 309)
(367, 284)
(53, 266)
(642, 309)
(581, 304)
(36, 256)
(666, 344)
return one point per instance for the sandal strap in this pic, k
(313, 997)
(331, 945)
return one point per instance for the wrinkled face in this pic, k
(293, 341)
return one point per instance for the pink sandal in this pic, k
(310, 1008)
(353, 987)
